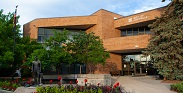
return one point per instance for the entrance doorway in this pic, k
(141, 68)
(135, 64)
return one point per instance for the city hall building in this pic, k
(125, 37)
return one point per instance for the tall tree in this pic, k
(54, 52)
(42, 55)
(24, 46)
(88, 49)
(57, 49)
(166, 45)
(6, 40)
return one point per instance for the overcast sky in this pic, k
(32, 9)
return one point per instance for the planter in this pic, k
(94, 79)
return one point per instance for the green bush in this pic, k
(15, 85)
(177, 87)
(11, 86)
(26, 72)
(1, 84)
(78, 89)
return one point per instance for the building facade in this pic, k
(125, 37)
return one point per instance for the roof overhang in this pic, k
(141, 24)
(128, 51)
(77, 27)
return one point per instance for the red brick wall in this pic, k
(137, 18)
(124, 43)
(114, 63)
(105, 24)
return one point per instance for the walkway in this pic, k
(144, 84)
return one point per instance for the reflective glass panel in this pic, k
(129, 32)
(147, 30)
(40, 31)
(141, 31)
(135, 31)
(123, 33)
(136, 57)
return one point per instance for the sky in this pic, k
(29, 10)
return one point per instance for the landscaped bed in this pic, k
(57, 87)
(75, 88)
(9, 85)
(79, 89)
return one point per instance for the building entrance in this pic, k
(140, 68)
(135, 64)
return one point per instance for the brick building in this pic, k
(125, 37)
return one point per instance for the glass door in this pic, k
(135, 64)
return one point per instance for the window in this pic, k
(40, 31)
(40, 39)
(141, 31)
(40, 35)
(135, 31)
(147, 30)
(123, 33)
(46, 33)
(129, 32)
(135, 57)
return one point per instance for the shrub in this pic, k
(26, 72)
(177, 87)
(78, 89)
(12, 86)
(1, 84)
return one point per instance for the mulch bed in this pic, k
(171, 81)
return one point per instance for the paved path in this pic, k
(143, 84)
(25, 90)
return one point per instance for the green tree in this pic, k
(54, 51)
(57, 47)
(6, 40)
(24, 46)
(87, 49)
(166, 45)
(42, 55)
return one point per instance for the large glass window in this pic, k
(46, 33)
(137, 64)
(135, 31)
(136, 57)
